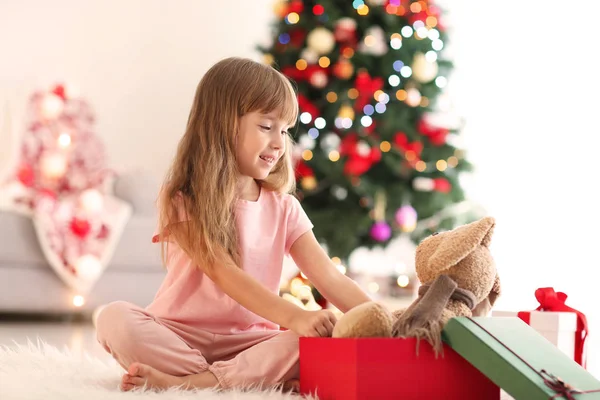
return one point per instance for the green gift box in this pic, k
(518, 359)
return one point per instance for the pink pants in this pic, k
(129, 333)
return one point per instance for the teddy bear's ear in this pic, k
(485, 306)
(460, 242)
(489, 228)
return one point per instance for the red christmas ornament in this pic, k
(296, 6)
(26, 175)
(297, 37)
(442, 185)
(80, 227)
(318, 9)
(303, 170)
(306, 106)
(437, 136)
(357, 163)
(345, 32)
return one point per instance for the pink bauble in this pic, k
(406, 218)
(381, 231)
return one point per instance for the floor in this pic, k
(78, 337)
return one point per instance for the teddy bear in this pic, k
(458, 278)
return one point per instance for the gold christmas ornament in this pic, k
(346, 112)
(279, 8)
(268, 59)
(319, 79)
(423, 71)
(413, 97)
(321, 40)
(309, 183)
(343, 69)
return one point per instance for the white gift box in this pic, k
(558, 327)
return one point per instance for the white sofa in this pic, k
(28, 284)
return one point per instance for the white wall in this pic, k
(138, 62)
(528, 90)
(523, 82)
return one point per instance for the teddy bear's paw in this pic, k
(366, 320)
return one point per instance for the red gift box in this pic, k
(555, 302)
(383, 368)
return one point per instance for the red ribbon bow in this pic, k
(357, 163)
(555, 302)
(303, 170)
(401, 140)
(303, 75)
(436, 135)
(366, 87)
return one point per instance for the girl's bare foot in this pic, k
(139, 375)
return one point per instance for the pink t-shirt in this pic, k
(267, 228)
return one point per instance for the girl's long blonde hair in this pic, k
(204, 169)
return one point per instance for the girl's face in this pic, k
(261, 143)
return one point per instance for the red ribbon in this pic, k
(555, 302)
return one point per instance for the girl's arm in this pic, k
(253, 296)
(340, 290)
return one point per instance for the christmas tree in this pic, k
(371, 160)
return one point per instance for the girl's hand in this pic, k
(313, 323)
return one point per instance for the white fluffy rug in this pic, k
(40, 371)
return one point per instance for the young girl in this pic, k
(226, 220)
